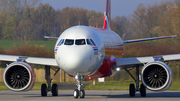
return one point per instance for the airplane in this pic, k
(83, 51)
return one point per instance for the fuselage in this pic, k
(82, 50)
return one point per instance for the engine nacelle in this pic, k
(19, 76)
(156, 76)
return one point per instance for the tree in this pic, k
(95, 18)
(2, 23)
(8, 28)
(152, 20)
(121, 26)
(175, 18)
(43, 18)
(25, 30)
(138, 21)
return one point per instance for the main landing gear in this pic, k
(44, 88)
(79, 92)
(132, 88)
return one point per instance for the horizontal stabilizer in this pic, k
(49, 37)
(148, 39)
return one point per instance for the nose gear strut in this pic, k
(79, 92)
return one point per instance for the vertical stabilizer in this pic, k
(107, 15)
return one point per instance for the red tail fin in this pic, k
(107, 15)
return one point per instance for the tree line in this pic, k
(23, 20)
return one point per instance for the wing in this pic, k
(31, 60)
(148, 39)
(124, 62)
(50, 37)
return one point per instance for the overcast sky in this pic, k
(118, 7)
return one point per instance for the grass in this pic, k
(37, 86)
(116, 85)
(109, 85)
(175, 85)
(50, 44)
(9, 44)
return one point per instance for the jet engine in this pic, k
(156, 76)
(19, 76)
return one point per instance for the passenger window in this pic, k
(60, 42)
(80, 42)
(69, 42)
(89, 42)
(93, 42)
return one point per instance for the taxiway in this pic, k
(91, 95)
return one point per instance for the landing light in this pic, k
(76, 77)
(118, 69)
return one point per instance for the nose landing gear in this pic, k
(79, 92)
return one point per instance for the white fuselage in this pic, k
(80, 50)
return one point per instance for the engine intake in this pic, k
(156, 76)
(19, 76)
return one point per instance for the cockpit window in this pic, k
(60, 42)
(80, 42)
(89, 42)
(69, 42)
(93, 42)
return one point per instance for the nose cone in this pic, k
(75, 60)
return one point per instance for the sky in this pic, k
(118, 7)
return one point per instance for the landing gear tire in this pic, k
(143, 91)
(131, 90)
(43, 90)
(76, 93)
(82, 95)
(54, 90)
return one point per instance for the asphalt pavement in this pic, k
(91, 95)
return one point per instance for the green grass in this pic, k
(109, 85)
(49, 44)
(116, 85)
(9, 44)
(37, 86)
(175, 85)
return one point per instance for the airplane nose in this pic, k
(74, 60)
